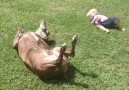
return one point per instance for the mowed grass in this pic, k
(101, 61)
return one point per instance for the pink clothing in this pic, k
(97, 19)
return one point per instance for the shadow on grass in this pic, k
(70, 73)
(71, 76)
(51, 43)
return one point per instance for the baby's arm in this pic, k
(102, 28)
(94, 19)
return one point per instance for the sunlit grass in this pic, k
(101, 61)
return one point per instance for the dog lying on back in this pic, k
(39, 57)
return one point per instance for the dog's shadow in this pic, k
(70, 73)
(71, 76)
(51, 43)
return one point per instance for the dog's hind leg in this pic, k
(71, 51)
(60, 58)
(17, 37)
(57, 51)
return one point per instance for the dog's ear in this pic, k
(43, 24)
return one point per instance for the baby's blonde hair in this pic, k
(92, 12)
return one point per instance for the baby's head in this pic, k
(91, 13)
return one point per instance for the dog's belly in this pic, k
(50, 58)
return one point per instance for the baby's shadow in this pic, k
(71, 76)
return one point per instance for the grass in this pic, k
(101, 61)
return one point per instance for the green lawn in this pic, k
(101, 61)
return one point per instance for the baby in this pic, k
(104, 23)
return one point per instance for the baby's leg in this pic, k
(118, 24)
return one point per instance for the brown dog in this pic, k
(39, 57)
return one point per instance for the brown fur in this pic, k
(39, 57)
